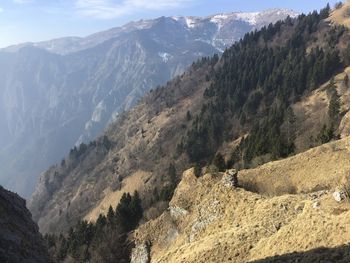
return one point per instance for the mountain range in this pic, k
(60, 93)
(245, 105)
(242, 157)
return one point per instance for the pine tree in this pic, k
(325, 12)
(172, 174)
(110, 216)
(290, 129)
(101, 222)
(219, 162)
(346, 80)
(188, 116)
(197, 170)
(136, 211)
(326, 134)
(122, 213)
(129, 211)
(334, 105)
(347, 55)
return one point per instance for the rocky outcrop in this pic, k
(230, 178)
(20, 240)
(140, 254)
(226, 224)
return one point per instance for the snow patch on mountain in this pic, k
(191, 22)
(165, 56)
(219, 20)
(250, 18)
(99, 110)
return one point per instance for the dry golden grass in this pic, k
(342, 16)
(323, 167)
(234, 225)
(112, 198)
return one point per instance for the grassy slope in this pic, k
(226, 225)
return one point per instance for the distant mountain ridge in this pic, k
(59, 93)
(256, 20)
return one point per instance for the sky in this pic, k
(37, 20)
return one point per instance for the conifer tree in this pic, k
(197, 170)
(219, 162)
(334, 105)
(136, 210)
(346, 80)
(110, 216)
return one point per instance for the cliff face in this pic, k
(20, 240)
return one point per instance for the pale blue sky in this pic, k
(35, 20)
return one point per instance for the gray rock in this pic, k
(230, 178)
(316, 205)
(140, 254)
(338, 196)
(176, 212)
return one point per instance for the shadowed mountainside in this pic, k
(20, 240)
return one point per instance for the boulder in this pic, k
(230, 178)
(140, 254)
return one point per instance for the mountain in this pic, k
(220, 30)
(277, 92)
(274, 106)
(20, 240)
(59, 93)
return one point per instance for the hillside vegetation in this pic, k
(277, 92)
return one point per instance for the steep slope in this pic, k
(341, 14)
(210, 222)
(63, 92)
(20, 240)
(142, 146)
(215, 97)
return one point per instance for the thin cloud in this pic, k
(22, 1)
(108, 9)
